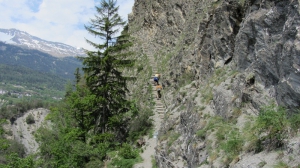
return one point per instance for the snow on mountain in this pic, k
(23, 39)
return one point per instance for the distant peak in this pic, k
(23, 39)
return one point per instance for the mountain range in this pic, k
(25, 40)
(18, 48)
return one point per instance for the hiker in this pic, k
(156, 78)
(158, 88)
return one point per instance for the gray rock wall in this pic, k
(216, 56)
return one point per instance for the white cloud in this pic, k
(54, 20)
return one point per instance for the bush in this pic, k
(94, 163)
(201, 134)
(140, 125)
(123, 163)
(30, 119)
(295, 122)
(127, 152)
(271, 126)
(234, 143)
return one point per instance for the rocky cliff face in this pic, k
(224, 58)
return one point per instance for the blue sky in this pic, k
(55, 20)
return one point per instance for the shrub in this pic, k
(140, 125)
(94, 163)
(15, 161)
(127, 152)
(123, 163)
(30, 119)
(233, 144)
(201, 134)
(271, 126)
(295, 121)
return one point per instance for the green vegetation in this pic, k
(153, 161)
(241, 2)
(96, 120)
(219, 76)
(228, 138)
(294, 121)
(185, 78)
(30, 119)
(267, 131)
(19, 84)
(12, 154)
(17, 109)
(173, 138)
(37, 61)
(232, 145)
(281, 164)
(262, 164)
(270, 128)
(20, 75)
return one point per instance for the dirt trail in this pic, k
(151, 142)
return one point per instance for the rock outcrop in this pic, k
(224, 58)
(23, 128)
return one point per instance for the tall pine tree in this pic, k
(103, 69)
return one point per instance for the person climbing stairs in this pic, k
(159, 112)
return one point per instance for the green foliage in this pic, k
(126, 157)
(262, 164)
(201, 134)
(127, 152)
(295, 121)
(140, 125)
(153, 161)
(271, 126)
(14, 161)
(4, 143)
(207, 95)
(281, 164)
(30, 119)
(123, 163)
(227, 138)
(94, 163)
(241, 2)
(140, 68)
(173, 138)
(64, 144)
(23, 76)
(103, 70)
(12, 153)
(185, 78)
(8, 112)
(269, 129)
(96, 116)
(233, 143)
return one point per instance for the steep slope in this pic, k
(223, 59)
(159, 111)
(25, 40)
(23, 131)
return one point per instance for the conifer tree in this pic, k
(77, 76)
(103, 70)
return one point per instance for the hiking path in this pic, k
(159, 111)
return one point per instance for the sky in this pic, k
(55, 20)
